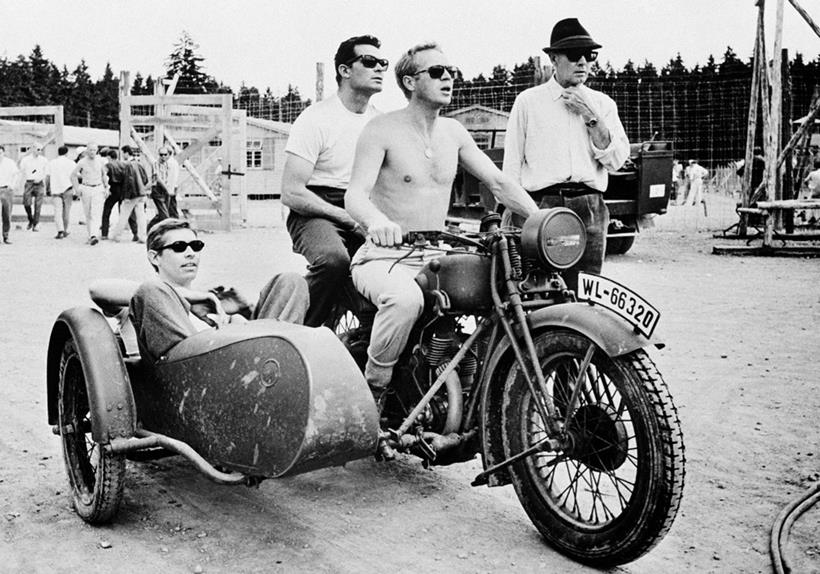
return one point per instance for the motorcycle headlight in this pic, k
(554, 237)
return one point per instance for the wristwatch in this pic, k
(592, 122)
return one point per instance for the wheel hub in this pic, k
(598, 437)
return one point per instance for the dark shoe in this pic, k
(93, 241)
(65, 233)
(60, 235)
(36, 227)
(136, 239)
(103, 238)
(6, 241)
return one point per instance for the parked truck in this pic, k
(637, 192)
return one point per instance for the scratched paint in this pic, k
(249, 378)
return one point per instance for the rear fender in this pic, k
(613, 335)
(110, 400)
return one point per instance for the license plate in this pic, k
(620, 300)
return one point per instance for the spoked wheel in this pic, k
(96, 476)
(614, 493)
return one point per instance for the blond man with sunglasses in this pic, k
(167, 309)
(320, 152)
(563, 136)
(405, 165)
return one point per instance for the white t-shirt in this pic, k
(325, 134)
(8, 172)
(59, 171)
(34, 167)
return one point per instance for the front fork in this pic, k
(557, 437)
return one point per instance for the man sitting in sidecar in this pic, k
(167, 310)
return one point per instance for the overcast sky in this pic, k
(273, 43)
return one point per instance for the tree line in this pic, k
(703, 109)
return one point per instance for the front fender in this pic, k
(110, 400)
(608, 331)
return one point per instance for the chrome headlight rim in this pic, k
(555, 237)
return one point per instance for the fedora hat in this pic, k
(568, 34)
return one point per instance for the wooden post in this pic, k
(751, 132)
(806, 17)
(227, 128)
(787, 191)
(125, 107)
(320, 81)
(58, 126)
(776, 115)
(159, 111)
(242, 116)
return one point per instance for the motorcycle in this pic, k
(558, 396)
(554, 391)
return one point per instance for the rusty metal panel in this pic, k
(265, 398)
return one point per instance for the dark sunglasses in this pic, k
(437, 71)
(163, 155)
(369, 61)
(182, 246)
(574, 55)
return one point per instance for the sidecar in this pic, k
(243, 403)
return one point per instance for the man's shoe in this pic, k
(65, 233)
(103, 238)
(6, 241)
(29, 226)
(135, 239)
(36, 227)
(60, 235)
(93, 241)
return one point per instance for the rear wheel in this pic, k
(615, 492)
(97, 477)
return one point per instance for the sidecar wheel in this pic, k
(97, 477)
(614, 494)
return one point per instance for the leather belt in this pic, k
(564, 189)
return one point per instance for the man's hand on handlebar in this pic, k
(385, 233)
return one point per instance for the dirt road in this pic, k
(742, 340)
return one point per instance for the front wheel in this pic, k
(615, 492)
(96, 476)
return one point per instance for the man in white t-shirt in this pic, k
(60, 188)
(33, 167)
(9, 176)
(93, 190)
(320, 153)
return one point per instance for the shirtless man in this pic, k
(402, 175)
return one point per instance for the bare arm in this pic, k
(75, 180)
(300, 199)
(370, 154)
(502, 186)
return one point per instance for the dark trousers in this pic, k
(172, 206)
(33, 194)
(162, 203)
(594, 214)
(6, 198)
(328, 247)
(110, 201)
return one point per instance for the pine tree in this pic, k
(186, 61)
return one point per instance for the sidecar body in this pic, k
(258, 400)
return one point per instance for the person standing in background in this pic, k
(61, 190)
(33, 167)
(93, 190)
(9, 176)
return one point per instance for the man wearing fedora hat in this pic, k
(563, 136)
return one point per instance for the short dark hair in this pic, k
(62, 150)
(128, 149)
(347, 51)
(112, 154)
(161, 229)
(2, 147)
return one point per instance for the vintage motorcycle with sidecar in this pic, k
(554, 390)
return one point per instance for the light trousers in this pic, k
(391, 287)
(62, 203)
(93, 198)
(127, 206)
